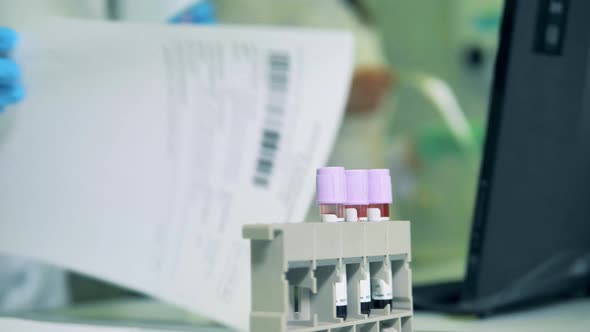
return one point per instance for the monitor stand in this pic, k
(444, 296)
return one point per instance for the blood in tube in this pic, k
(332, 212)
(379, 194)
(379, 212)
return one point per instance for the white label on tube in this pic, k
(382, 289)
(340, 289)
(365, 291)
(374, 214)
(351, 214)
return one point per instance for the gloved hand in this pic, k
(11, 90)
(200, 12)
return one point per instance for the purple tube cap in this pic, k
(357, 187)
(379, 186)
(331, 185)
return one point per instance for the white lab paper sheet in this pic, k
(141, 150)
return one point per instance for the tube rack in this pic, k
(307, 255)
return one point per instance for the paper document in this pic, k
(141, 150)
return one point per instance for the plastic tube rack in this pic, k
(307, 256)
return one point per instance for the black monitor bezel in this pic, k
(490, 148)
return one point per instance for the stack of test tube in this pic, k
(356, 196)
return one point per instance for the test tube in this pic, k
(379, 194)
(379, 200)
(331, 193)
(331, 197)
(357, 195)
(357, 200)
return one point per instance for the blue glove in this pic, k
(202, 12)
(11, 91)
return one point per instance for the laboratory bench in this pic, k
(569, 316)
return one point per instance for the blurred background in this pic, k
(418, 102)
(429, 127)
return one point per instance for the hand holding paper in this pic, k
(11, 90)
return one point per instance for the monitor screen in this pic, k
(531, 231)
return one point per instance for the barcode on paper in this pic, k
(278, 68)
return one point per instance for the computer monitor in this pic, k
(530, 237)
